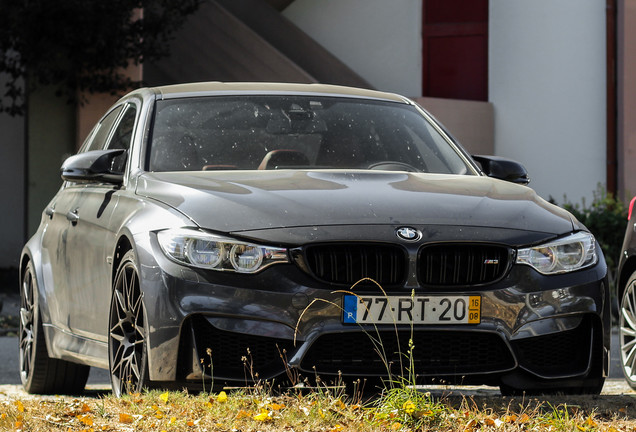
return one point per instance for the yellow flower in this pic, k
(164, 397)
(262, 416)
(408, 407)
(222, 397)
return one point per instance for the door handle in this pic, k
(72, 217)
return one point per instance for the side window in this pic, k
(100, 134)
(122, 136)
(123, 133)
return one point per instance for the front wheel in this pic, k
(127, 331)
(627, 336)
(40, 373)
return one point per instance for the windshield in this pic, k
(296, 132)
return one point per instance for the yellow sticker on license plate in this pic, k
(451, 309)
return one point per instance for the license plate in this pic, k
(412, 309)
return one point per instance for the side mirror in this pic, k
(503, 169)
(93, 166)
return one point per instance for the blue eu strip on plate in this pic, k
(350, 309)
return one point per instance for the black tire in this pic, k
(40, 373)
(627, 331)
(127, 351)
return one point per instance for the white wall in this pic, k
(12, 175)
(547, 84)
(380, 40)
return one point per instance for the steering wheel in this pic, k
(393, 166)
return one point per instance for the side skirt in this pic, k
(76, 349)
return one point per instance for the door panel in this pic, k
(93, 240)
(55, 264)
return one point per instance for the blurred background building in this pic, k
(544, 82)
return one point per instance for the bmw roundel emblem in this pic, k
(408, 233)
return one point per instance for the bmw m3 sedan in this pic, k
(222, 233)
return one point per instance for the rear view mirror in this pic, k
(503, 169)
(93, 166)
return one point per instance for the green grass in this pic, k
(397, 409)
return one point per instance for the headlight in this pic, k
(214, 252)
(567, 254)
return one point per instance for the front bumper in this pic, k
(534, 328)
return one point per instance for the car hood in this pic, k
(239, 201)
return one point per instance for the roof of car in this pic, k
(209, 88)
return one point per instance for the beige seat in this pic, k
(278, 159)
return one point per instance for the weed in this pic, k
(410, 408)
(208, 351)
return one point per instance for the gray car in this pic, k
(626, 295)
(221, 233)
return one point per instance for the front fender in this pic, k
(136, 233)
(31, 252)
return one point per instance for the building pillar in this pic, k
(626, 98)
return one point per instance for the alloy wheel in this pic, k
(27, 323)
(127, 332)
(628, 332)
